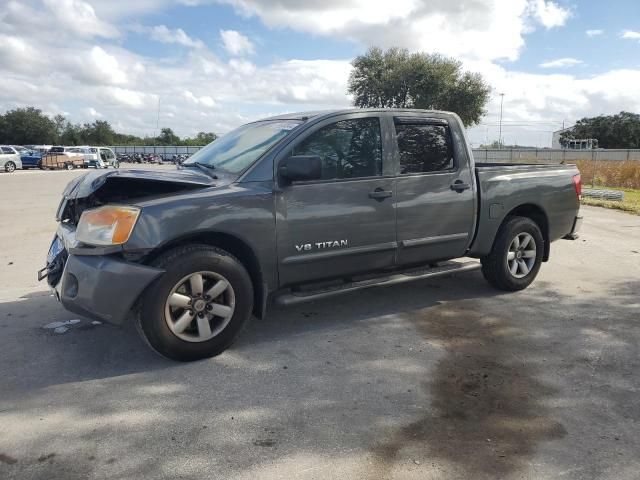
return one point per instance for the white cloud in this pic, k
(161, 33)
(92, 112)
(561, 63)
(235, 43)
(594, 33)
(95, 76)
(106, 67)
(79, 17)
(128, 98)
(204, 100)
(242, 66)
(471, 29)
(630, 35)
(543, 101)
(549, 13)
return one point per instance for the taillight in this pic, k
(577, 183)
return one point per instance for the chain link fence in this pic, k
(167, 151)
(548, 155)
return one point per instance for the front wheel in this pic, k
(9, 167)
(516, 255)
(198, 306)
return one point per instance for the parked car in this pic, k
(9, 158)
(31, 159)
(296, 208)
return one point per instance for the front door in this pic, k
(435, 204)
(343, 223)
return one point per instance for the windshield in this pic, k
(238, 149)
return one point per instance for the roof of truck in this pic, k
(317, 113)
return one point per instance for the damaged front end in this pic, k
(96, 189)
(97, 280)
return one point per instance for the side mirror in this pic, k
(300, 168)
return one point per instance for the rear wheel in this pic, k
(516, 255)
(9, 167)
(198, 306)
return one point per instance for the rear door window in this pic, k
(424, 147)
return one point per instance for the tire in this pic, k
(9, 167)
(69, 166)
(498, 267)
(162, 322)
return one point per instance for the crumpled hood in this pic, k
(85, 185)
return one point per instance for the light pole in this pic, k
(500, 134)
(157, 125)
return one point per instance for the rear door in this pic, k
(343, 223)
(435, 189)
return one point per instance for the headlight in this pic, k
(109, 225)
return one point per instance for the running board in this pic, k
(292, 298)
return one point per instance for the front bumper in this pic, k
(102, 287)
(573, 235)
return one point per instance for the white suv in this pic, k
(99, 157)
(9, 158)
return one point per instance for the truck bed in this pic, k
(547, 189)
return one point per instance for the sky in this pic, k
(211, 65)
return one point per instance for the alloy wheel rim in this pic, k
(521, 256)
(200, 306)
(11, 167)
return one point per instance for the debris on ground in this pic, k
(61, 327)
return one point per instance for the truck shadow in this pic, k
(88, 351)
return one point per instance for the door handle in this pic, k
(459, 186)
(380, 194)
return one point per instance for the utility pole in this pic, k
(157, 124)
(500, 134)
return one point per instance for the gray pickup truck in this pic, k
(295, 208)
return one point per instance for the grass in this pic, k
(631, 202)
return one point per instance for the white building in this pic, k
(573, 144)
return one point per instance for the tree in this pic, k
(31, 126)
(397, 78)
(205, 138)
(612, 131)
(27, 126)
(167, 137)
(60, 123)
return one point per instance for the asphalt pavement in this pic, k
(438, 379)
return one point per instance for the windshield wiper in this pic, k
(205, 167)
